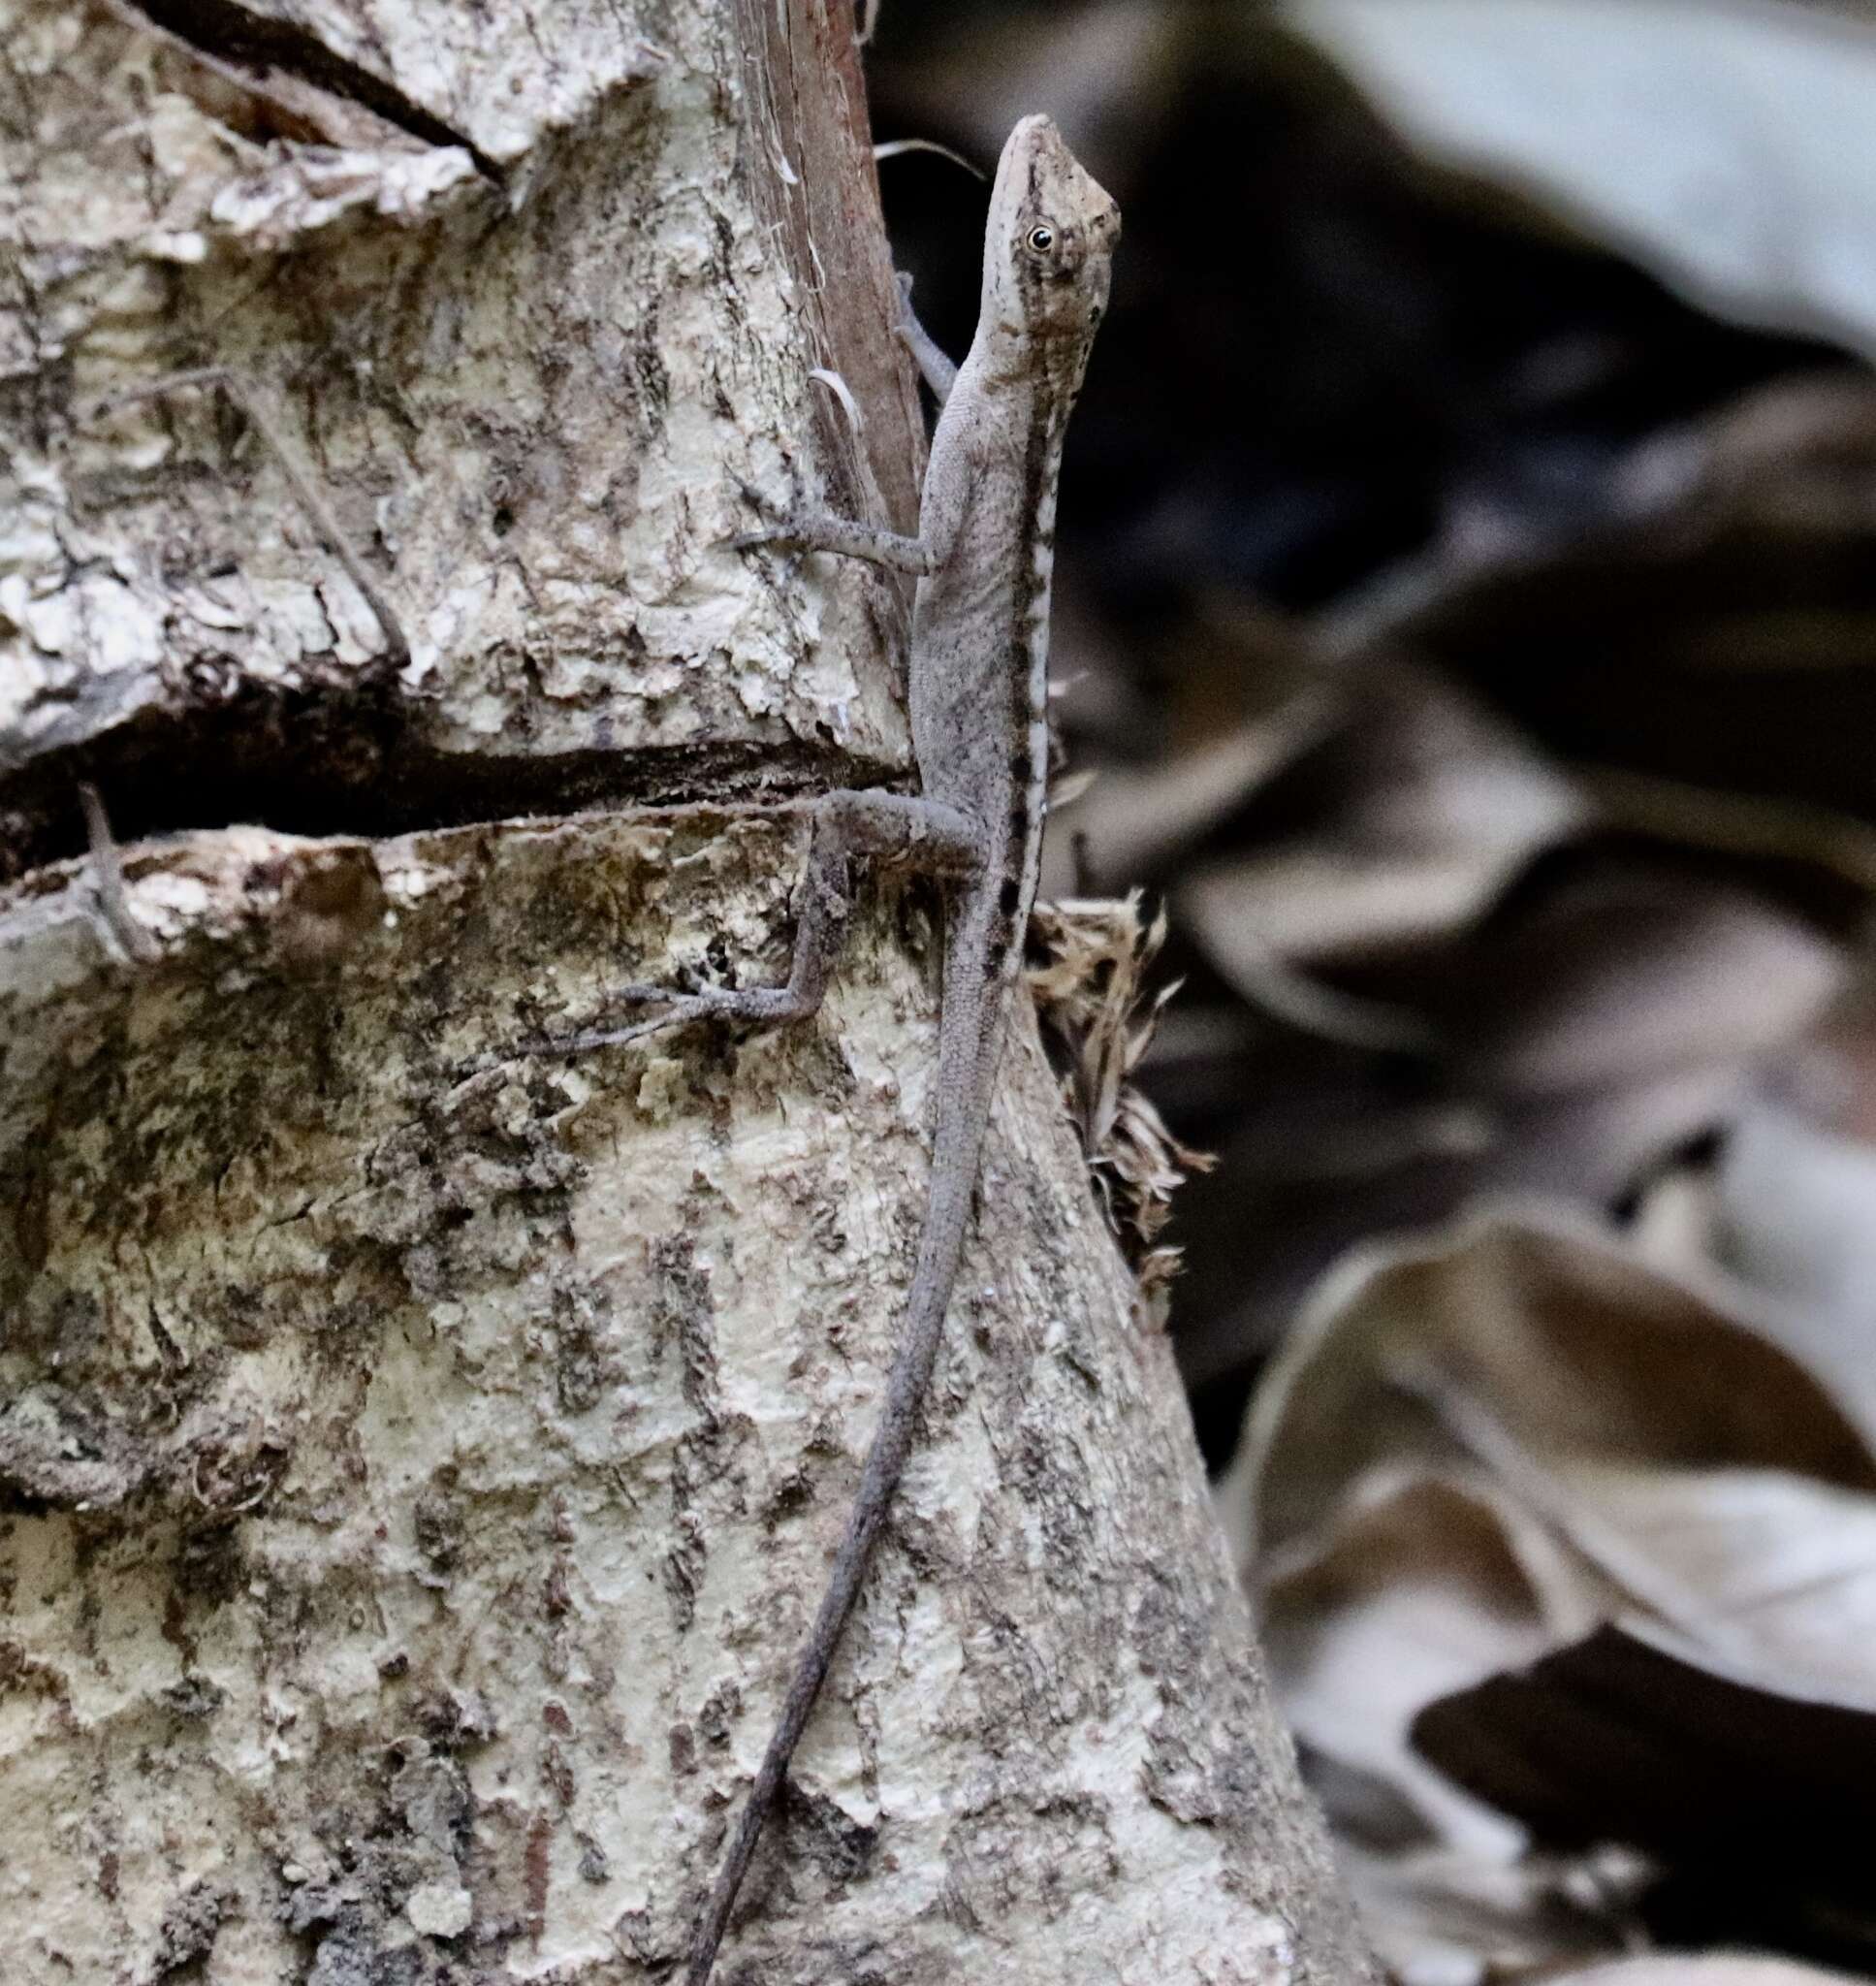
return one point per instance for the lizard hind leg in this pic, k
(849, 823)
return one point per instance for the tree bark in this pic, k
(418, 1461)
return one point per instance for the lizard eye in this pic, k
(1042, 240)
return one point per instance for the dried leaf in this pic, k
(1780, 1571)
(1575, 1348)
(1635, 973)
(1427, 805)
(1635, 1735)
(1730, 150)
(1794, 1199)
(1418, 1585)
(1437, 1917)
(1514, 1449)
(1089, 989)
(1139, 821)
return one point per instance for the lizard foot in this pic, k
(764, 1004)
(775, 530)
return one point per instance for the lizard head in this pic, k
(1049, 244)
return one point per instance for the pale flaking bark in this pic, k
(417, 1460)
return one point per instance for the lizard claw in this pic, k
(906, 326)
(775, 531)
(761, 1005)
(598, 1038)
(629, 995)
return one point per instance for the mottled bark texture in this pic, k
(417, 1462)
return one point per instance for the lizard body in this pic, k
(978, 690)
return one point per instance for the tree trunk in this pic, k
(418, 1461)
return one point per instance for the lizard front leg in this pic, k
(935, 367)
(941, 517)
(849, 823)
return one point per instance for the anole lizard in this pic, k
(978, 687)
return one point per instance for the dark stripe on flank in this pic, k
(1030, 586)
(1010, 896)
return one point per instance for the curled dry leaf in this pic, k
(1780, 1570)
(1799, 453)
(1636, 1731)
(1427, 806)
(1697, 657)
(1442, 1918)
(1794, 1202)
(1419, 1585)
(1483, 1448)
(1634, 972)
(1137, 820)
(1090, 988)
(1728, 149)
(1576, 1349)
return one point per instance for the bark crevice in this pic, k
(229, 33)
(340, 756)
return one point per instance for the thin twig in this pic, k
(312, 502)
(843, 393)
(107, 879)
(897, 148)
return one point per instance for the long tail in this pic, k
(968, 1050)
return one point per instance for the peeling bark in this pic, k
(418, 1461)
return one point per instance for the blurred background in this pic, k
(1467, 614)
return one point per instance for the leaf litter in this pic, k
(1473, 646)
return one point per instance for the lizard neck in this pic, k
(1019, 362)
